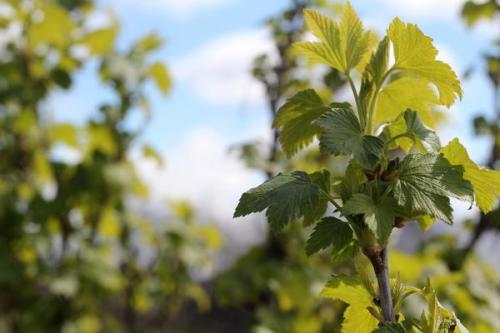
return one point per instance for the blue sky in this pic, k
(215, 103)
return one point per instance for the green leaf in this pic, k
(351, 182)
(160, 76)
(100, 41)
(379, 61)
(409, 123)
(329, 231)
(347, 253)
(286, 197)
(405, 93)
(378, 214)
(149, 152)
(55, 27)
(350, 289)
(485, 182)
(322, 179)
(342, 45)
(64, 133)
(295, 118)
(341, 135)
(472, 11)
(415, 55)
(426, 181)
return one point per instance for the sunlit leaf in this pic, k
(485, 182)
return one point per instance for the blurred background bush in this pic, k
(117, 187)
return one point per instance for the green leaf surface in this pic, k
(286, 197)
(160, 76)
(405, 93)
(378, 214)
(426, 181)
(350, 289)
(341, 135)
(100, 41)
(341, 45)
(485, 182)
(329, 231)
(295, 119)
(416, 56)
(417, 134)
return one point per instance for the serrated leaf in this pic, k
(379, 61)
(330, 231)
(426, 181)
(286, 197)
(322, 179)
(485, 182)
(378, 214)
(295, 119)
(409, 123)
(350, 289)
(405, 93)
(341, 135)
(415, 55)
(342, 45)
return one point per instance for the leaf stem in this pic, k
(406, 134)
(373, 102)
(332, 200)
(361, 113)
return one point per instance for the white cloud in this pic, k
(212, 180)
(181, 8)
(219, 71)
(425, 9)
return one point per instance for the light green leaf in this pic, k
(341, 135)
(286, 197)
(160, 76)
(295, 118)
(485, 182)
(100, 41)
(329, 231)
(426, 181)
(409, 123)
(54, 28)
(415, 55)
(405, 93)
(379, 61)
(342, 45)
(65, 133)
(378, 214)
(350, 289)
(150, 152)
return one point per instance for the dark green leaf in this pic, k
(295, 118)
(329, 231)
(410, 124)
(378, 213)
(426, 181)
(341, 135)
(287, 197)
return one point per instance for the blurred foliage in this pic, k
(75, 257)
